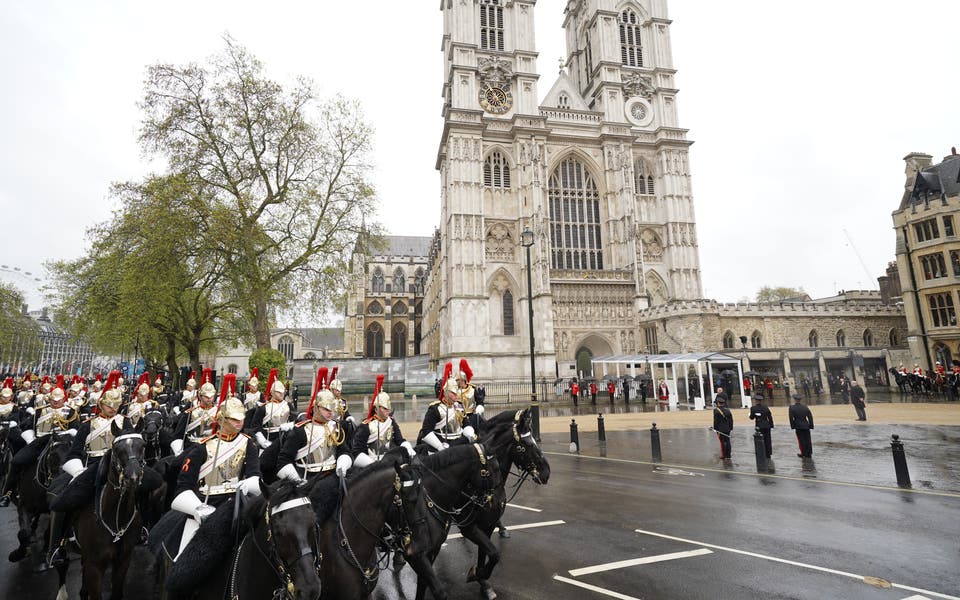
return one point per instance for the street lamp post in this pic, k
(526, 240)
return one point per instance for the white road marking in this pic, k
(791, 562)
(594, 588)
(916, 597)
(454, 536)
(675, 471)
(638, 561)
(524, 507)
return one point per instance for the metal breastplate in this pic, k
(380, 439)
(200, 424)
(275, 414)
(100, 438)
(6, 409)
(251, 400)
(223, 477)
(449, 426)
(24, 397)
(321, 449)
(49, 419)
(138, 409)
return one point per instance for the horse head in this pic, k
(510, 436)
(152, 422)
(287, 534)
(127, 456)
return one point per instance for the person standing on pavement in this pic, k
(575, 391)
(721, 395)
(643, 391)
(801, 421)
(844, 389)
(760, 414)
(626, 392)
(723, 425)
(593, 392)
(611, 390)
(858, 398)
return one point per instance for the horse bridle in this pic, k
(118, 487)
(481, 499)
(277, 563)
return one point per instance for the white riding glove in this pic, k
(289, 473)
(28, 436)
(73, 467)
(262, 440)
(343, 465)
(177, 447)
(409, 448)
(287, 426)
(31, 410)
(362, 460)
(479, 410)
(470, 434)
(13, 424)
(433, 441)
(249, 486)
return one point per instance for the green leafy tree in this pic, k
(146, 283)
(287, 177)
(777, 294)
(264, 359)
(19, 334)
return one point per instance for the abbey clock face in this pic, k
(495, 99)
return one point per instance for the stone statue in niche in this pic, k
(636, 84)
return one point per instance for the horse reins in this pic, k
(118, 469)
(280, 567)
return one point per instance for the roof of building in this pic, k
(942, 178)
(316, 337)
(407, 245)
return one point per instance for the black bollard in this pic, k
(655, 443)
(761, 451)
(574, 435)
(900, 462)
(601, 431)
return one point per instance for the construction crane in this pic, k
(860, 258)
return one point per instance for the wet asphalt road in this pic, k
(706, 530)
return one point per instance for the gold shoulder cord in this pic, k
(334, 438)
(62, 421)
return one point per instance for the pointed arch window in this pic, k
(398, 341)
(285, 346)
(728, 340)
(418, 278)
(642, 178)
(841, 338)
(376, 283)
(374, 345)
(868, 338)
(491, 25)
(813, 339)
(508, 324)
(399, 281)
(399, 308)
(755, 340)
(574, 218)
(375, 308)
(631, 51)
(496, 171)
(894, 338)
(563, 101)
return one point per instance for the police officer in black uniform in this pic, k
(723, 424)
(801, 421)
(764, 422)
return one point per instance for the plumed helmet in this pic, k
(335, 384)
(274, 384)
(466, 373)
(26, 382)
(57, 394)
(230, 407)
(98, 383)
(254, 381)
(321, 396)
(379, 398)
(208, 391)
(143, 384)
(111, 391)
(76, 388)
(45, 385)
(447, 378)
(192, 381)
(7, 391)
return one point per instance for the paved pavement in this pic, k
(613, 524)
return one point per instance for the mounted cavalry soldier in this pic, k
(196, 422)
(273, 416)
(93, 440)
(13, 419)
(443, 422)
(25, 397)
(75, 394)
(378, 433)
(96, 390)
(346, 420)
(188, 396)
(251, 400)
(317, 447)
(141, 404)
(472, 402)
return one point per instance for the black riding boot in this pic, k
(58, 529)
(13, 475)
(504, 532)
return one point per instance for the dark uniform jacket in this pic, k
(800, 417)
(447, 433)
(361, 439)
(296, 439)
(195, 457)
(857, 395)
(722, 419)
(269, 429)
(761, 414)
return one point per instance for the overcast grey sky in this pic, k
(801, 114)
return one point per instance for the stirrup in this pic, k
(58, 557)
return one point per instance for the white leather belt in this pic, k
(271, 429)
(450, 436)
(215, 490)
(96, 453)
(318, 468)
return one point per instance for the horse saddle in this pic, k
(211, 545)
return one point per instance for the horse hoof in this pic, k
(62, 594)
(472, 575)
(17, 555)
(489, 593)
(41, 567)
(504, 532)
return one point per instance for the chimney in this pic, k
(915, 162)
(952, 156)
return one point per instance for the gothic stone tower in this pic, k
(598, 173)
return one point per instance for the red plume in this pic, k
(376, 392)
(61, 382)
(8, 383)
(255, 373)
(46, 379)
(270, 379)
(333, 374)
(99, 377)
(207, 376)
(446, 375)
(317, 386)
(193, 375)
(112, 380)
(227, 388)
(74, 379)
(465, 369)
(144, 379)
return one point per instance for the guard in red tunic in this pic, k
(611, 390)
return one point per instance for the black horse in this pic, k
(108, 527)
(32, 503)
(509, 437)
(459, 484)
(152, 428)
(352, 523)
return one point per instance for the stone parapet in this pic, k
(757, 309)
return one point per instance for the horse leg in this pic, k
(484, 544)
(426, 577)
(62, 580)
(23, 535)
(119, 573)
(92, 581)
